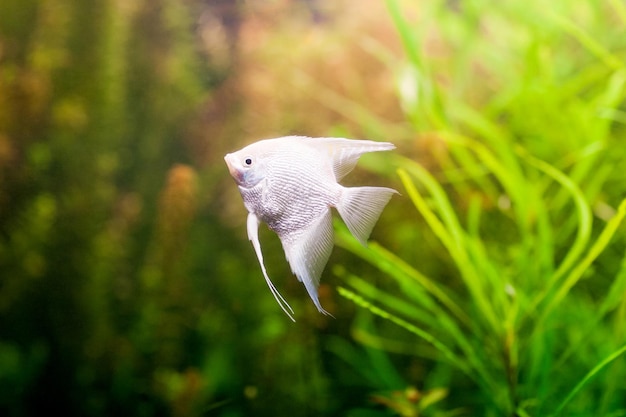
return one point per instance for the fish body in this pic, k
(291, 183)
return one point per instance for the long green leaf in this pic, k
(404, 274)
(583, 215)
(585, 39)
(588, 377)
(596, 249)
(450, 236)
(479, 374)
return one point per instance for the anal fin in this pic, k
(307, 251)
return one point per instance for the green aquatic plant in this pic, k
(501, 327)
(514, 288)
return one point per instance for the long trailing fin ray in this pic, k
(360, 208)
(307, 251)
(253, 235)
(345, 153)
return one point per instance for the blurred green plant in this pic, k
(123, 288)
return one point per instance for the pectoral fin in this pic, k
(307, 251)
(253, 235)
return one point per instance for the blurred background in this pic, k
(128, 285)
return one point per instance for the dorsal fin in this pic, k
(345, 153)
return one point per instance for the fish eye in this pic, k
(248, 161)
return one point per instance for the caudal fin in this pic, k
(360, 208)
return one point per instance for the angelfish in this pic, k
(291, 183)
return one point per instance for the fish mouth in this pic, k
(236, 173)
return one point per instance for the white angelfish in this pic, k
(291, 183)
